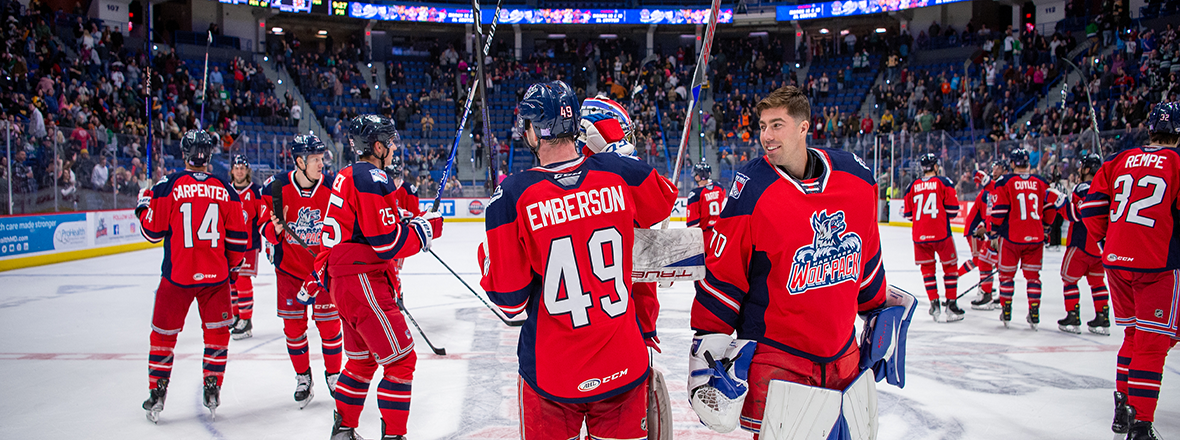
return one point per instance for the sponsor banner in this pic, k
(52, 233)
(847, 8)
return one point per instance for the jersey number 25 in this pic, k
(562, 270)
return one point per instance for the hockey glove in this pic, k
(428, 227)
(233, 274)
(404, 214)
(485, 261)
(980, 233)
(718, 370)
(144, 202)
(884, 336)
(598, 130)
(307, 292)
(654, 343)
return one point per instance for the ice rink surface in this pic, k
(73, 361)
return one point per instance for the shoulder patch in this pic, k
(379, 175)
(739, 183)
(496, 195)
(268, 180)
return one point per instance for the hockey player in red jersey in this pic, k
(705, 201)
(562, 234)
(1133, 211)
(301, 196)
(978, 229)
(796, 257)
(363, 231)
(931, 203)
(408, 207)
(1023, 210)
(1082, 260)
(203, 226)
(242, 292)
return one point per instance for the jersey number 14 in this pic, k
(207, 231)
(562, 270)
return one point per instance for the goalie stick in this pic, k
(473, 292)
(446, 174)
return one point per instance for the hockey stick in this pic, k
(473, 292)
(980, 283)
(437, 350)
(446, 174)
(698, 77)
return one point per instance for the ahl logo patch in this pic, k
(379, 176)
(832, 258)
(739, 183)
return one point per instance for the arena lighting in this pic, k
(556, 36)
(322, 32)
(759, 34)
(280, 82)
(824, 31)
(155, 47)
(880, 30)
(687, 36)
(796, 65)
(844, 32)
(370, 65)
(277, 30)
(265, 58)
(608, 36)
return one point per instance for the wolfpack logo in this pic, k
(739, 183)
(832, 258)
(379, 176)
(307, 226)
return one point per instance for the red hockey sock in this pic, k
(1071, 295)
(393, 394)
(245, 295)
(950, 278)
(160, 357)
(931, 279)
(233, 300)
(332, 343)
(1146, 372)
(1098, 291)
(216, 352)
(1034, 292)
(296, 332)
(1123, 360)
(352, 388)
(967, 266)
(1007, 287)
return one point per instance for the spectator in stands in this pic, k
(101, 174)
(296, 114)
(215, 78)
(23, 180)
(427, 125)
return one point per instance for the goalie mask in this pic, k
(601, 105)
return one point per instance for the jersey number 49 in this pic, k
(562, 270)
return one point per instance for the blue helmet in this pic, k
(702, 169)
(240, 159)
(928, 161)
(1092, 162)
(1019, 157)
(551, 109)
(1164, 118)
(197, 146)
(305, 144)
(366, 130)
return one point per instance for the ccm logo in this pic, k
(1113, 258)
(591, 384)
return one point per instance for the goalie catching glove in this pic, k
(882, 346)
(719, 368)
(605, 127)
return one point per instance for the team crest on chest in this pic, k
(307, 226)
(832, 258)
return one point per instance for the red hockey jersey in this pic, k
(1134, 206)
(304, 212)
(363, 209)
(1079, 236)
(562, 237)
(704, 205)
(931, 203)
(256, 212)
(778, 284)
(1024, 207)
(201, 221)
(979, 214)
(407, 199)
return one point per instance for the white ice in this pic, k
(73, 361)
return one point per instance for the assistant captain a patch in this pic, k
(739, 183)
(832, 258)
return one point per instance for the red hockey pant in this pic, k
(1078, 264)
(1028, 257)
(295, 326)
(618, 417)
(172, 304)
(924, 257)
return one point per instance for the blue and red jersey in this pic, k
(1079, 236)
(794, 261)
(562, 238)
(363, 210)
(704, 205)
(256, 212)
(1133, 207)
(203, 225)
(303, 212)
(931, 203)
(1023, 208)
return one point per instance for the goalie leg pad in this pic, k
(797, 411)
(659, 409)
(668, 255)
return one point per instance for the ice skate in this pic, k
(1143, 431)
(343, 432)
(983, 302)
(1006, 314)
(330, 379)
(1100, 325)
(242, 329)
(303, 389)
(1123, 414)
(155, 401)
(935, 310)
(1072, 323)
(385, 436)
(212, 395)
(953, 312)
(1034, 316)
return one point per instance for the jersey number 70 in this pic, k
(562, 270)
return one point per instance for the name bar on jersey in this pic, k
(576, 205)
(200, 190)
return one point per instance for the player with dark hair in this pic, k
(241, 293)
(978, 228)
(931, 203)
(362, 232)
(203, 226)
(1082, 260)
(1023, 211)
(796, 257)
(1133, 212)
(296, 202)
(705, 201)
(562, 234)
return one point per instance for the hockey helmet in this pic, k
(1019, 157)
(702, 170)
(240, 159)
(603, 105)
(366, 130)
(1164, 118)
(1001, 164)
(303, 145)
(197, 146)
(1092, 162)
(551, 109)
(929, 162)
(395, 166)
